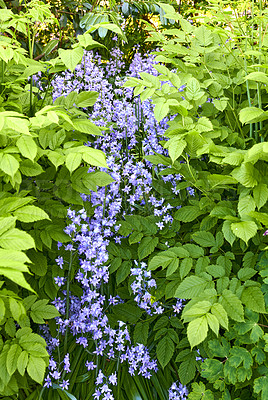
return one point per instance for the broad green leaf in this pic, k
(7, 223)
(217, 271)
(260, 195)
(9, 165)
(22, 362)
(253, 299)
(203, 36)
(190, 287)
(71, 58)
(252, 114)
(30, 214)
(246, 204)
(212, 369)
(27, 147)
(135, 237)
(204, 239)
(197, 310)
(12, 358)
(192, 89)
(185, 267)
(127, 313)
(16, 308)
(213, 323)
(147, 246)
(86, 99)
(36, 368)
(161, 110)
(197, 331)
(173, 266)
(94, 157)
(175, 148)
(164, 351)
(244, 230)
(246, 273)
(220, 104)
(187, 370)
(40, 310)
(188, 213)
(73, 160)
(16, 277)
(232, 305)
(204, 125)
(246, 175)
(227, 232)
(220, 313)
(15, 239)
(123, 271)
(141, 332)
(100, 178)
(257, 77)
(193, 250)
(86, 126)
(199, 392)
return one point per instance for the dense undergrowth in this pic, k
(133, 226)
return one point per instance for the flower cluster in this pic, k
(102, 386)
(142, 283)
(177, 392)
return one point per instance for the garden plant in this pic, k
(134, 213)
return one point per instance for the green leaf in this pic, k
(86, 126)
(227, 232)
(257, 77)
(190, 287)
(252, 114)
(147, 246)
(192, 89)
(232, 305)
(36, 368)
(220, 104)
(246, 273)
(176, 147)
(161, 260)
(9, 165)
(135, 237)
(185, 267)
(165, 350)
(15, 239)
(204, 125)
(197, 331)
(30, 168)
(86, 99)
(141, 332)
(213, 323)
(94, 157)
(7, 223)
(12, 358)
(246, 175)
(199, 392)
(246, 205)
(220, 313)
(161, 110)
(244, 230)
(73, 160)
(40, 311)
(204, 239)
(261, 386)
(27, 147)
(260, 195)
(22, 362)
(203, 36)
(173, 266)
(188, 213)
(16, 308)
(71, 58)
(194, 250)
(30, 214)
(123, 271)
(127, 313)
(197, 310)
(253, 299)
(187, 370)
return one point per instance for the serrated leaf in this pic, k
(213, 323)
(197, 331)
(161, 110)
(165, 350)
(36, 368)
(27, 147)
(190, 287)
(12, 358)
(15, 239)
(261, 386)
(246, 205)
(147, 246)
(252, 114)
(187, 370)
(253, 299)
(175, 148)
(260, 195)
(9, 165)
(30, 214)
(232, 305)
(94, 157)
(220, 313)
(227, 232)
(22, 362)
(245, 174)
(71, 58)
(86, 99)
(244, 230)
(185, 267)
(188, 213)
(73, 160)
(197, 310)
(141, 332)
(204, 239)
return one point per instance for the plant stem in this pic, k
(68, 301)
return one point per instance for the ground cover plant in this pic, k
(148, 266)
